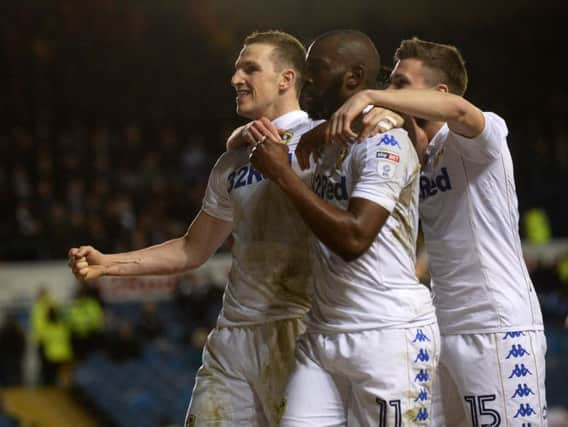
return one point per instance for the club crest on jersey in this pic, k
(431, 186)
(389, 141)
(341, 157)
(287, 136)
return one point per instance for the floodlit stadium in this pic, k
(128, 124)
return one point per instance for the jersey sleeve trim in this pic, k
(486, 146)
(382, 201)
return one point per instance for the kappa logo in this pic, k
(520, 371)
(524, 410)
(420, 336)
(515, 334)
(422, 415)
(422, 376)
(517, 350)
(389, 141)
(523, 390)
(422, 395)
(423, 356)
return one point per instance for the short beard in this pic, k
(324, 105)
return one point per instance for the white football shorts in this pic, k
(380, 377)
(491, 380)
(243, 376)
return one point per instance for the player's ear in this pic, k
(287, 79)
(354, 77)
(442, 87)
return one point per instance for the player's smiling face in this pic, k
(409, 73)
(323, 82)
(255, 81)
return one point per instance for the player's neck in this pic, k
(431, 128)
(280, 108)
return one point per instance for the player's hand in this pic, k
(374, 120)
(310, 145)
(248, 134)
(379, 120)
(270, 158)
(86, 263)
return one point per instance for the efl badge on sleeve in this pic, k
(386, 169)
(387, 163)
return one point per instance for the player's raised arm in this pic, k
(203, 238)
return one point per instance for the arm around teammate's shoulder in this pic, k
(462, 116)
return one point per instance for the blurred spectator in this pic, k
(56, 338)
(149, 325)
(198, 305)
(86, 321)
(39, 313)
(537, 226)
(123, 344)
(12, 345)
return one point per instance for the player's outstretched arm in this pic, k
(252, 132)
(203, 238)
(461, 116)
(348, 233)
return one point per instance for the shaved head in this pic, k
(353, 48)
(339, 64)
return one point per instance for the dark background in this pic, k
(112, 112)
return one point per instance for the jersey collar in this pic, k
(288, 120)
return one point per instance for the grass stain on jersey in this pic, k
(404, 232)
(281, 336)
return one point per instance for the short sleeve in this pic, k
(488, 145)
(217, 201)
(380, 165)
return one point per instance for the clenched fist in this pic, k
(87, 263)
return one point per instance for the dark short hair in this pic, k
(288, 51)
(444, 61)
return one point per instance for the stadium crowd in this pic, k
(112, 116)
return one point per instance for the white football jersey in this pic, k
(469, 214)
(271, 274)
(378, 289)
